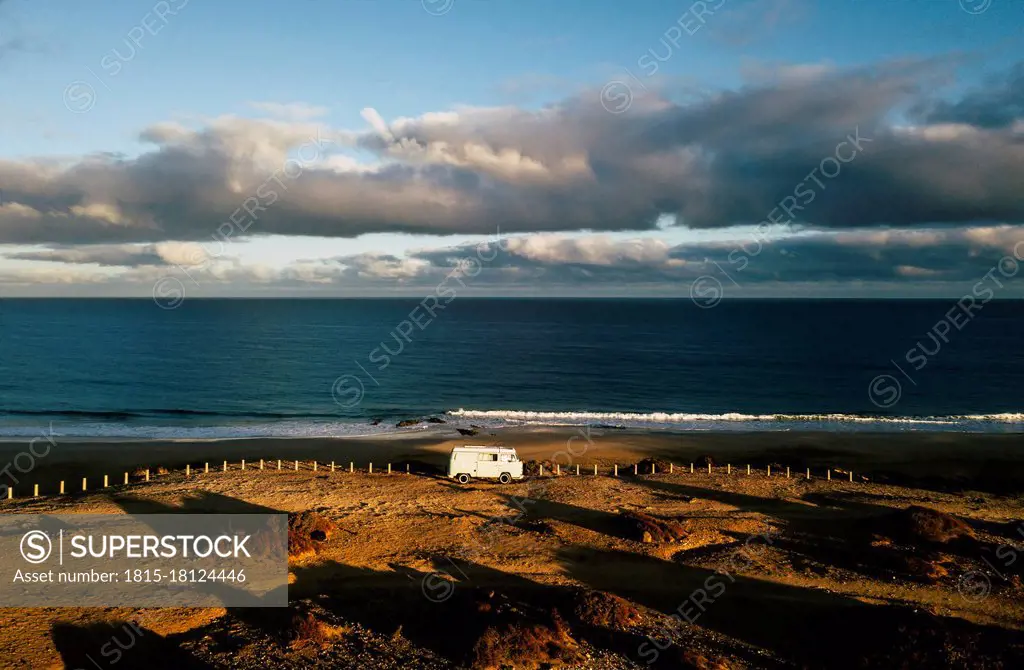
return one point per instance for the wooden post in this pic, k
(225, 466)
(62, 486)
(10, 493)
(829, 474)
(748, 468)
(709, 468)
(188, 470)
(670, 468)
(279, 464)
(406, 468)
(147, 475)
(106, 481)
(332, 466)
(206, 468)
(728, 468)
(654, 469)
(85, 483)
(125, 482)
(635, 468)
(616, 469)
(35, 490)
(808, 473)
(389, 468)
(558, 468)
(595, 469)
(296, 466)
(769, 471)
(851, 475)
(371, 468)
(351, 466)
(577, 468)
(787, 472)
(261, 464)
(541, 471)
(314, 466)
(691, 468)
(243, 464)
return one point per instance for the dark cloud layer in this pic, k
(765, 257)
(106, 255)
(997, 105)
(907, 261)
(742, 156)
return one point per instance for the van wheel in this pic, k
(463, 478)
(505, 478)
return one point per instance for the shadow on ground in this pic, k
(121, 644)
(449, 609)
(801, 625)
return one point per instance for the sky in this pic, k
(776, 148)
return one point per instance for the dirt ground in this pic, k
(418, 571)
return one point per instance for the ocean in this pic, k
(293, 367)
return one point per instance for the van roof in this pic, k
(469, 447)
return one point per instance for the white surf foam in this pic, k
(676, 418)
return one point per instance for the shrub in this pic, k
(697, 660)
(644, 467)
(307, 532)
(309, 631)
(532, 468)
(934, 526)
(916, 523)
(649, 529)
(596, 608)
(929, 570)
(526, 645)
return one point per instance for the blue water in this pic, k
(218, 368)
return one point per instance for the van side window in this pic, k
(506, 458)
(488, 457)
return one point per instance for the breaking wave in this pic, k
(735, 419)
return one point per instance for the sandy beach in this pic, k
(950, 460)
(720, 570)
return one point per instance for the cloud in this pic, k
(760, 73)
(901, 262)
(997, 105)
(384, 266)
(8, 44)
(741, 24)
(731, 158)
(531, 84)
(906, 257)
(122, 255)
(66, 276)
(292, 111)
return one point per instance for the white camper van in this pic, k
(501, 463)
